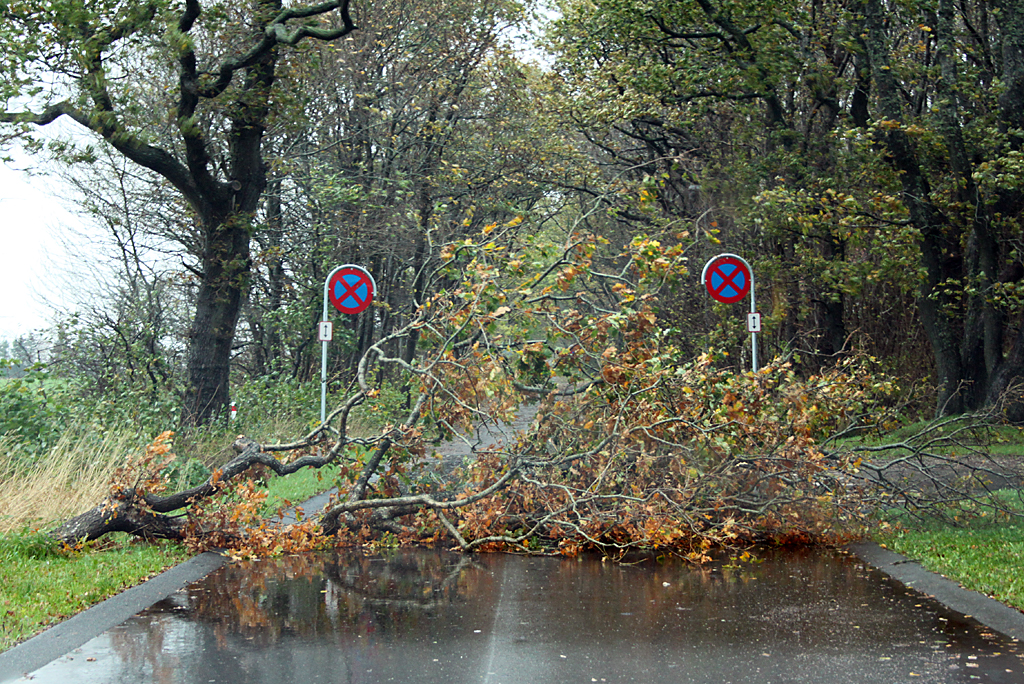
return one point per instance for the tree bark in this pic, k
(939, 251)
(119, 516)
(226, 272)
(144, 514)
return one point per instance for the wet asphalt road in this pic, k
(434, 617)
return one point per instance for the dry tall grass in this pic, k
(71, 478)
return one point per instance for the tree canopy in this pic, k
(853, 147)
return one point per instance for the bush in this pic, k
(30, 407)
(185, 473)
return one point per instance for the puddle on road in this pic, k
(421, 616)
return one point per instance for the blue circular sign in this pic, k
(728, 279)
(351, 289)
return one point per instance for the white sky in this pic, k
(34, 264)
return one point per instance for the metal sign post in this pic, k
(728, 278)
(350, 289)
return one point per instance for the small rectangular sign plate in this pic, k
(753, 322)
(326, 331)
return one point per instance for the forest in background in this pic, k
(534, 219)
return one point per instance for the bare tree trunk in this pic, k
(939, 251)
(1011, 122)
(120, 516)
(225, 268)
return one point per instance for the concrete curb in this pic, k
(910, 573)
(66, 636)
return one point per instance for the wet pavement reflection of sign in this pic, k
(421, 616)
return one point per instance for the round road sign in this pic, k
(351, 289)
(727, 279)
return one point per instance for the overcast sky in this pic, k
(34, 261)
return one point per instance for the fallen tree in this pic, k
(633, 449)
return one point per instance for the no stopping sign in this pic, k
(350, 290)
(727, 279)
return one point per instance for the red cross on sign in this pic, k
(351, 289)
(727, 279)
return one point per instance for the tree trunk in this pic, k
(226, 272)
(982, 346)
(832, 310)
(1006, 388)
(1010, 373)
(267, 343)
(939, 251)
(226, 213)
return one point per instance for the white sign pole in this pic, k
(755, 320)
(753, 316)
(324, 339)
(350, 290)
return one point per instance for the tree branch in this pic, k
(275, 33)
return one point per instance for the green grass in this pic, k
(40, 585)
(984, 553)
(298, 487)
(995, 440)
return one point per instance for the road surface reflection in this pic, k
(430, 616)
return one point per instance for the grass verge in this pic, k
(297, 487)
(983, 554)
(41, 585)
